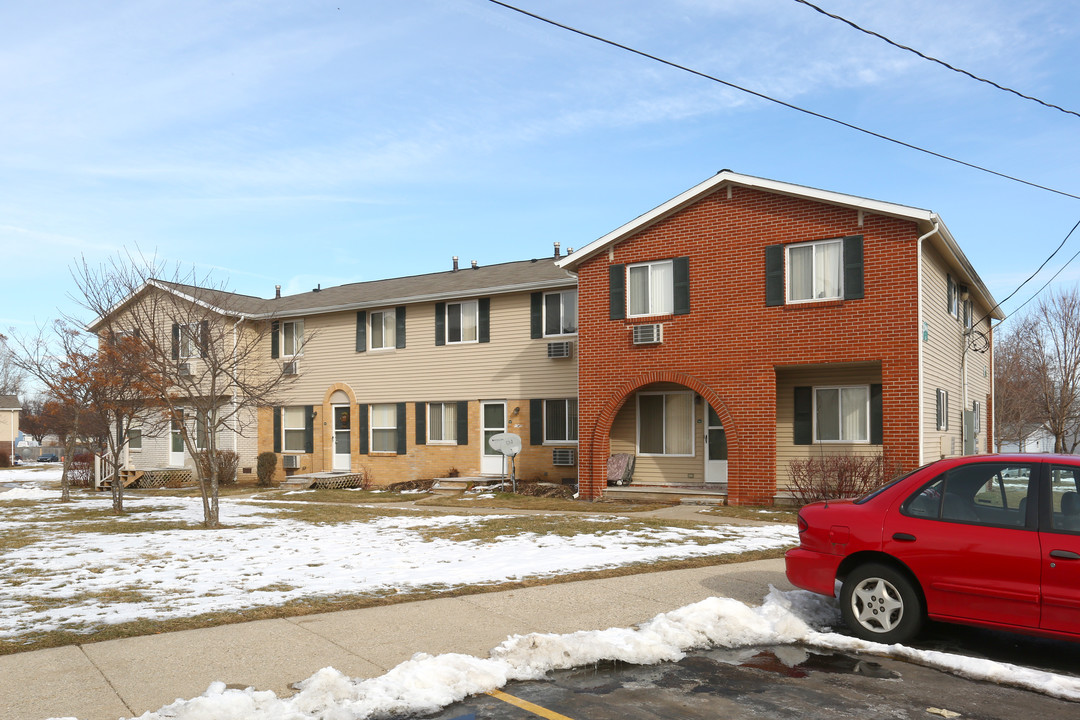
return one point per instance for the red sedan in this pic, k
(991, 540)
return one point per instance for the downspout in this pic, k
(919, 330)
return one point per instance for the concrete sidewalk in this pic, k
(125, 678)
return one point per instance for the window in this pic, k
(666, 423)
(560, 313)
(968, 311)
(293, 428)
(815, 271)
(383, 330)
(442, 423)
(462, 322)
(292, 338)
(134, 439)
(942, 409)
(980, 493)
(384, 428)
(842, 414)
(650, 289)
(191, 340)
(1064, 499)
(560, 420)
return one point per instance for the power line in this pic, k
(936, 60)
(788, 105)
(1047, 283)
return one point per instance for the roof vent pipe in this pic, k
(455, 263)
(473, 264)
(277, 291)
(556, 249)
(569, 251)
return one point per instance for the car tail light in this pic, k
(803, 525)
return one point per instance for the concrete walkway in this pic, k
(125, 678)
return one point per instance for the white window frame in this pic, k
(373, 428)
(665, 305)
(562, 295)
(296, 328)
(190, 345)
(387, 327)
(814, 245)
(286, 429)
(976, 409)
(692, 424)
(571, 410)
(942, 408)
(448, 427)
(463, 306)
(840, 420)
(134, 435)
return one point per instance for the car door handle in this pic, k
(903, 537)
(1064, 555)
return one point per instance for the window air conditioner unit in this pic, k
(289, 368)
(290, 462)
(648, 334)
(562, 349)
(184, 369)
(564, 456)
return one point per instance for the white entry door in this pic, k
(493, 422)
(715, 450)
(342, 441)
(176, 444)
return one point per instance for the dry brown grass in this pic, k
(765, 514)
(526, 502)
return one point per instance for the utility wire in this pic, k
(1052, 278)
(777, 101)
(935, 60)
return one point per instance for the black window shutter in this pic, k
(274, 339)
(309, 428)
(440, 323)
(877, 423)
(463, 422)
(401, 440)
(853, 267)
(361, 330)
(362, 428)
(536, 422)
(617, 292)
(204, 337)
(399, 319)
(950, 290)
(680, 273)
(421, 423)
(484, 330)
(176, 341)
(774, 275)
(804, 416)
(536, 315)
(277, 429)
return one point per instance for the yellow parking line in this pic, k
(526, 705)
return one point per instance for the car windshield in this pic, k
(874, 493)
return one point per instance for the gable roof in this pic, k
(502, 278)
(926, 220)
(10, 402)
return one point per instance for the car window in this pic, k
(978, 493)
(1065, 499)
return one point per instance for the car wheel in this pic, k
(881, 604)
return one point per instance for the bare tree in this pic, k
(12, 376)
(1018, 402)
(208, 359)
(1054, 338)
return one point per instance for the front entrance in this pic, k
(493, 422)
(176, 443)
(715, 450)
(342, 433)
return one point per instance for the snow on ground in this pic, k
(80, 581)
(427, 683)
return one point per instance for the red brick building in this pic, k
(749, 322)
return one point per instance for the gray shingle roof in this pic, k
(9, 402)
(520, 276)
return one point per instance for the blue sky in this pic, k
(299, 143)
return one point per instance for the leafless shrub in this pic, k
(830, 477)
(227, 462)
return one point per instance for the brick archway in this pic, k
(599, 440)
(327, 431)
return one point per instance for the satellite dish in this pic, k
(508, 444)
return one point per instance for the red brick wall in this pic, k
(729, 345)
